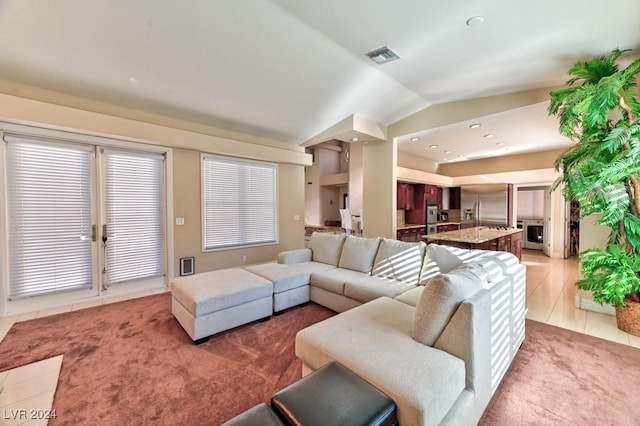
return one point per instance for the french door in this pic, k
(83, 218)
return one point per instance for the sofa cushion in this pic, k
(358, 253)
(369, 288)
(333, 279)
(444, 258)
(288, 276)
(399, 260)
(373, 340)
(429, 269)
(326, 248)
(411, 297)
(440, 299)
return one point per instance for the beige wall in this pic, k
(507, 163)
(187, 146)
(379, 189)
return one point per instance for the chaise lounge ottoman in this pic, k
(211, 302)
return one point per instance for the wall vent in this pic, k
(382, 55)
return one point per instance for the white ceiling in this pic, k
(289, 69)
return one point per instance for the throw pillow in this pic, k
(445, 260)
(358, 253)
(399, 260)
(441, 298)
(326, 248)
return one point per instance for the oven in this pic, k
(533, 233)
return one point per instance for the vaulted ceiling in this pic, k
(289, 69)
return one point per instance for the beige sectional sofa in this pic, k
(433, 327)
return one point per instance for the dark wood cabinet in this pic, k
(405, 196)
(410, 234)
(454, 197)
(447, 228)
(439, 198)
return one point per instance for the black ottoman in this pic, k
(333, 395)
(258, 415)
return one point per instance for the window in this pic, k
(50, 216)
(239, 203)
(134, 215)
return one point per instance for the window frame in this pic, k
(204, 157)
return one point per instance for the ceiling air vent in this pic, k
(382, 55)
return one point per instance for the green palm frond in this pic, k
(610, 274)
(602, 170)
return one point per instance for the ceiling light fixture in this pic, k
(448, 152)
(433, 146)
(475, 125)
(133, 80)
(382, 55)
(488, 135)
(500, 143)
(415, 139)
(354, 139)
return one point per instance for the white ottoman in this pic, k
(211, 302)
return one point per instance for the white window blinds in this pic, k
(239, 201)
(50, 226)
(134, 215)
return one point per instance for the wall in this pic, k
(531, 204)
(379, 189)
(186, 185)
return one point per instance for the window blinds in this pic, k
(134, 215)
(239, 203)
(49, 197)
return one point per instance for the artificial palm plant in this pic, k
(600, 111)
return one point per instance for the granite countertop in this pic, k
(410, 226)
(476, 235)
(448, 223)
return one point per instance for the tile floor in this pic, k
(550, 299)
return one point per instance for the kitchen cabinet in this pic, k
(440, 193)
(431, 191)
(454, 197)
(448, 227)
(405, 196)
(413, 234)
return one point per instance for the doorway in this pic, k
(83, 218)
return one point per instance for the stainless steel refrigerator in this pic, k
(484, 205)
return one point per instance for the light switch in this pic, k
(179, 220)
(296, 217)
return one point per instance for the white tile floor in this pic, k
(550, 299)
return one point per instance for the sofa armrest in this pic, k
(468, 335)
(295, 256)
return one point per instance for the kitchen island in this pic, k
(481, 237)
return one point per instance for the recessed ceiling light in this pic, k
(133, 80)
(433, 146)
(448, 152)
(415, 139)
(475, 21)
(500, 143)
(354, 139)
(488, 135)
(475, 125)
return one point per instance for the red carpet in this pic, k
(131, 363)
(560, 377)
